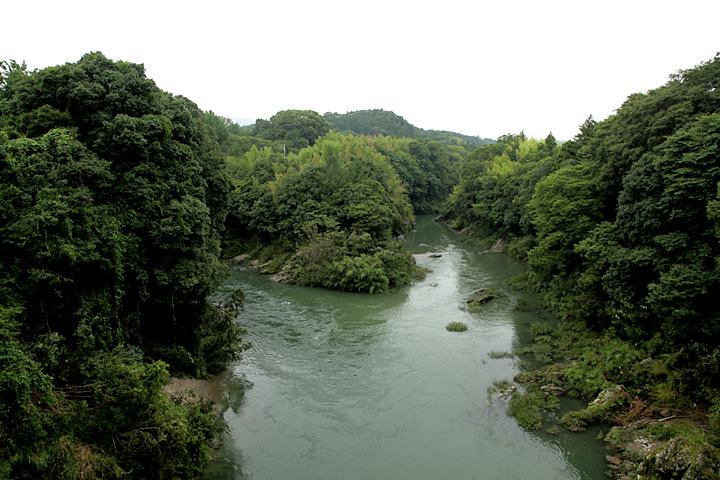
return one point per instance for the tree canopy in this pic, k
(387, 123)
(113, 197)
(619, 225)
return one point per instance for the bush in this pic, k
(527, 408)
(455, 327)
(350, 262)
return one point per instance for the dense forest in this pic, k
(116, 200)
(620, 228)
(114, 194)
(619, 225)
(384, 122)
(119, 200)
(322, 208)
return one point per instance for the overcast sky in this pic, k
(475, 67)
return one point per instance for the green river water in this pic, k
(355, 386)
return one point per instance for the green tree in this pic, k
(298, 128)
(113, 195)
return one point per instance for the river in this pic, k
(355, 386)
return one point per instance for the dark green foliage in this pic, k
(495, 354)
(219, 339)
(128, 418)
(427, 172)
(372, 122)
(298, 128)
(351, 263)
(384, 122)
(112, 198)
(621, 223)
(26, 398)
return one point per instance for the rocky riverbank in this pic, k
(194, 389)
(655, 433)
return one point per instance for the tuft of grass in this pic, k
(456, 327)
(495, 354)
(499, 385)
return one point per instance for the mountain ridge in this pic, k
(386, 122)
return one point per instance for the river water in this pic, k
(356, 386)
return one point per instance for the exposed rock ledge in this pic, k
(499, 246)
(193, 389)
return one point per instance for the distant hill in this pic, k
(243, 121)
(385, 122)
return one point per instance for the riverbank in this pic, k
(654, 430)
(194, 389)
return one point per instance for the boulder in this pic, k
(240, 258)
(481, 297)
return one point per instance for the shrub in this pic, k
(495, 354)
(527, 408)
(456, 327)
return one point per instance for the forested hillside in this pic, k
(113, 195)
(384, 122)
(330, 214)
(317, 207)
(621, 231)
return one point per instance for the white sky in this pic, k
(475, 67)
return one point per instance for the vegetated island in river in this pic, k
(620, 228)
(117, 198)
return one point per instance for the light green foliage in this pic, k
(584, 363)
(499, 386)
(478, 299)
(564, 210)
(496, 183)
(602, 409)
(714, 418)
(336, 205)
(528, 408)
(363, 273)
(351, 263)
